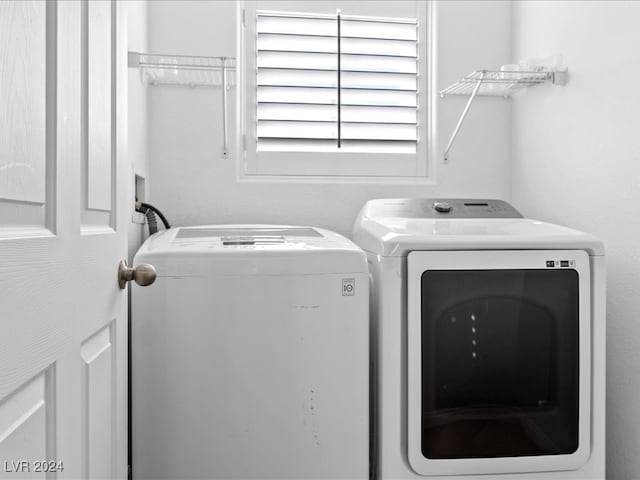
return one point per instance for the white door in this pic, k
(63, 220)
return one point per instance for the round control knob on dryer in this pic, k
(442, 207)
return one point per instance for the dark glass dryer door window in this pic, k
(500, 363)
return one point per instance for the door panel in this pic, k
(62, 374)
(26, 425)
(498, 361)
(99, 105)
(23, 123)
(27, 36)
(98, 403)
(97, 180)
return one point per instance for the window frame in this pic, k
(332, 166)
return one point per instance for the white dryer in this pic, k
(488, 342)
(250, 355)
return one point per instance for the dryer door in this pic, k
(498, 361)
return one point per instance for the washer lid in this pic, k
(393, 227)
(250, 250)
(249, 234)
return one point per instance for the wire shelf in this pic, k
(500, 83)
(192, 71)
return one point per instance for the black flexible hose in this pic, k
(149, 211)
(156, 211)
(152, 222)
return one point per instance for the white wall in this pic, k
(136, 14)
(577, 162)
(192, 184)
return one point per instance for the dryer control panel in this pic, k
(441, 208)
(468, 208)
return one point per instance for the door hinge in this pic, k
(244, 142)
(244, 17)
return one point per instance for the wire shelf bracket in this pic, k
(497, 83)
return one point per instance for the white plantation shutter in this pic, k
(336, 83)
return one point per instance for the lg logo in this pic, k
(348, 287)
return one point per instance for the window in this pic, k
(335, 94)
(332, 83)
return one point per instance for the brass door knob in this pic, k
(144, 274)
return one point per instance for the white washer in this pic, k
(250, 355)
(488, 342)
